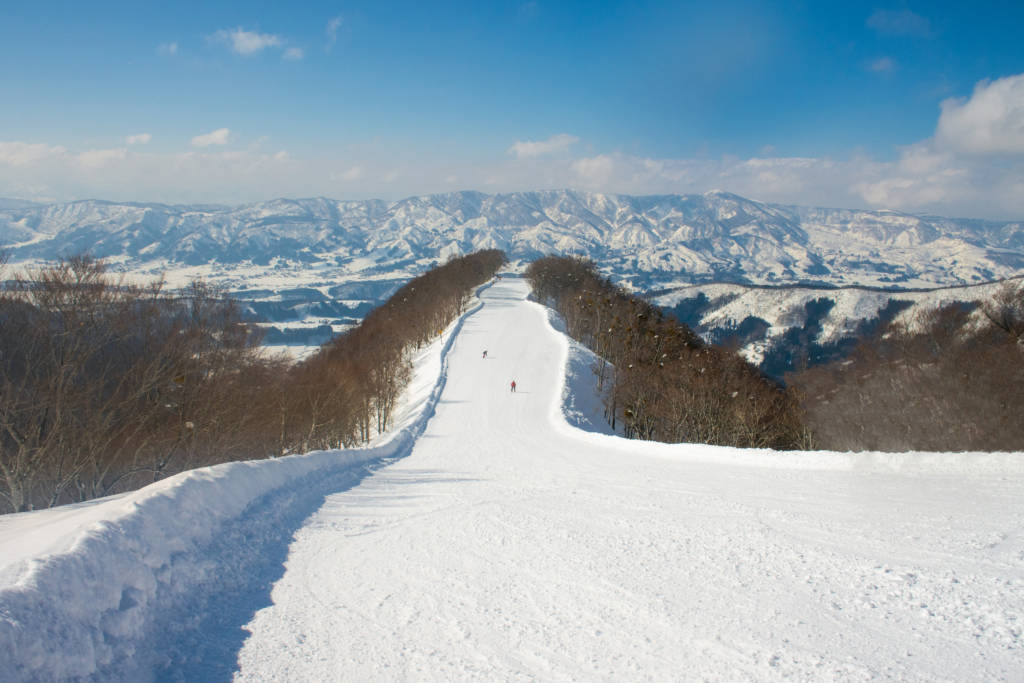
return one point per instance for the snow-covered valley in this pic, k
(506, 535)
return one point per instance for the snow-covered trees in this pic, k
(667, 385)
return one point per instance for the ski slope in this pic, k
(506, 547)
(496, 541)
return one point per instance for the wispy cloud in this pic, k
(594, 170)
(900, 23)
(294, 54)
(139, 139)
(167, 49)
(333, 24)
(15, 153)
(98, 158)
(217, 137)
(246, 43)
(535, 148)
(527, 11)
(881, 65)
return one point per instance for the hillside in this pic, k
(503, 543)
(771, 325)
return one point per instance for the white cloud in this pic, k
(23, 153)
(973, 166)
(217, 137)
(990, 122)
(598, 169)
(168, 49)
(333, 24)
(139, 139)
(294, 54)
(881, 65)
(246, 43)
(554, 144)
(98, 158)
(923, 179)
(258, 143)
(900, 23)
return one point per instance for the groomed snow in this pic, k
(508, 544)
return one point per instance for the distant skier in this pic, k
(513, 386)
(485, 354)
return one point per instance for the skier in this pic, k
(485, 354)
(513, 386)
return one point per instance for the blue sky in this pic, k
(917, 107)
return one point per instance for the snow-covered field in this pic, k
(504, 543)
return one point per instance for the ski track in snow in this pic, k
(509, 545)
(505, 546)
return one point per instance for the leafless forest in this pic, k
(950, 380)
(106, 386)
(663, 382)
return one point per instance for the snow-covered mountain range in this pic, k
(649, 242)
(310, 267)
(780, 328)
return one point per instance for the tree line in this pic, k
(107, 386)
(949, 379)
(657, 377)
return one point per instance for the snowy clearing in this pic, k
(508, 544)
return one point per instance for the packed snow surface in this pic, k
(503, 543)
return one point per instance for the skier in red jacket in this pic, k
(513, 386)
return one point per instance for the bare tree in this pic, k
(107, 386)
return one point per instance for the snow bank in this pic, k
(82, 598)
(580, 413)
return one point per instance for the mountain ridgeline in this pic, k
(645, 243)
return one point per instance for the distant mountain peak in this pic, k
(649, 241)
